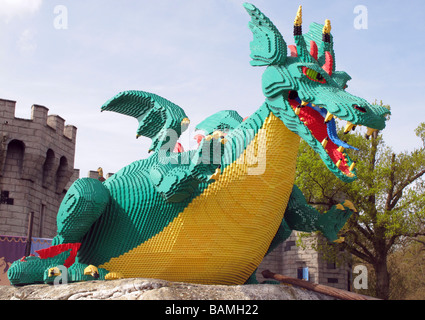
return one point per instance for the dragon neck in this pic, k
(259, 133)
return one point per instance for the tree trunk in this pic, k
(382, 279)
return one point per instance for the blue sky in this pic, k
(196, 54)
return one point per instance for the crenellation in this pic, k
(70, 132)
(39, 114)
(7, 110)
(56, 122)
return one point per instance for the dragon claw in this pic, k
(346, 205)
(185, 122)
(91, 271)
(340, 207)
(54, 272)
(114, 276)
(340, 240)
(216, 174)
(350, 205)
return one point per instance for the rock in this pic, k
(152, 289)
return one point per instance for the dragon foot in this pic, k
(331, 222)
(31, 270)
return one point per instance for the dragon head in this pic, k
(306, 92)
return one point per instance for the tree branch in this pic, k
(391, 186)
(399, 192)
(365, 255)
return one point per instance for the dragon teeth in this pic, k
(352, 166)
(325, 142)
(297, 111)
(329, 117)
(348, 127)
(370, 131)
(338, 164)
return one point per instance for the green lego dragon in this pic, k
(210, 215)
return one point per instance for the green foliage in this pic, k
(420, 131)
(389, 195)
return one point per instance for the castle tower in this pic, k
(36, 168)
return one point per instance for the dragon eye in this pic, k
(313, 75)
(361, 109)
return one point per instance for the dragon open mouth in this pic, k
(323, 127)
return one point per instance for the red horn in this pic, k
(313, 49)
(328, 66)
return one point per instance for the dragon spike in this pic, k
(314, 51)
(327, 45)
(329, 63)
(301, 47)
(299, 18)
(327, 29)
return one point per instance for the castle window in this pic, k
(48, 167)
(14, 159)
(5, 199)
(303, 274)
(61, 175)
(288, 245)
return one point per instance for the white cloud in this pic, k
(10, 9)
(26, 42)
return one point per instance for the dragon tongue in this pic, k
(331, 127)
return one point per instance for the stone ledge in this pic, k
(152, 289)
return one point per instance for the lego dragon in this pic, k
(211, 214)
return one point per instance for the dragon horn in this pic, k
(329, 65)
(299, 19)
(327, 32)
(302, 52)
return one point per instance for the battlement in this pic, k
(40, 116)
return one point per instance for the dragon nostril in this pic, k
(361, 109)
(293, 95)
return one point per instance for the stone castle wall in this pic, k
(36, 168)
(289, 259)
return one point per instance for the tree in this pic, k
(407, 269)
(388, 194)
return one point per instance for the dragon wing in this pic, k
(158, 117)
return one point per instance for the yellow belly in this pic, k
(223, 235)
